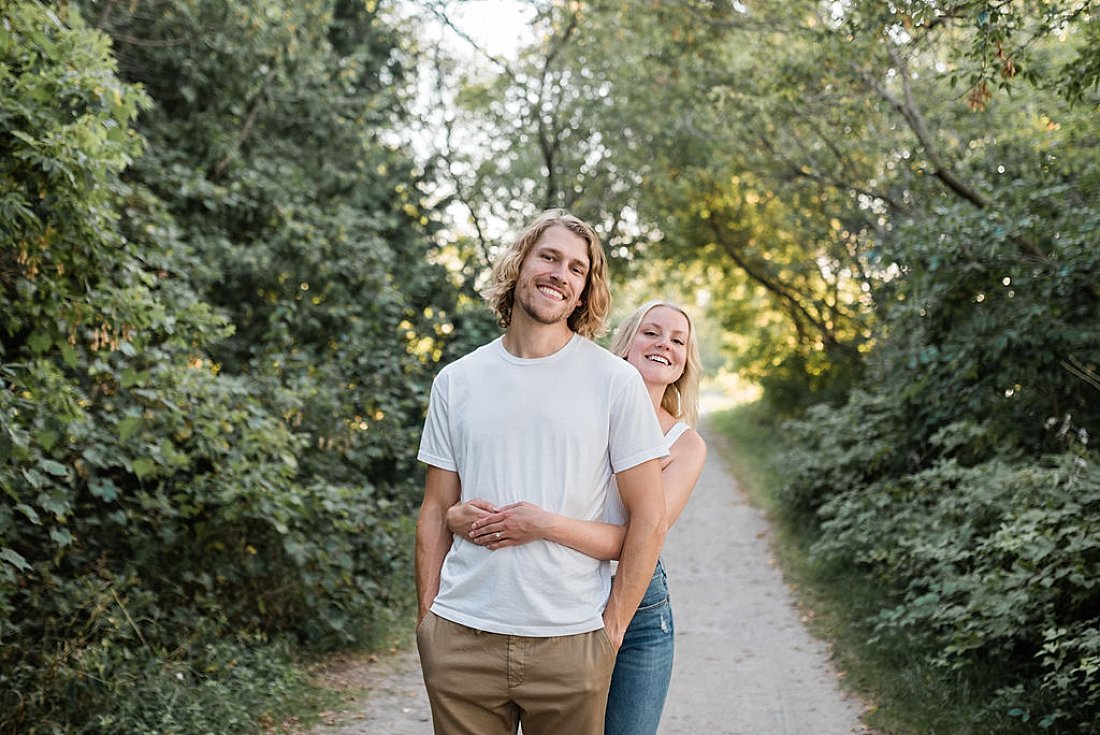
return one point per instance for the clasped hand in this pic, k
(495, 528)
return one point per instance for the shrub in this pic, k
(161, 515)
(988, 566)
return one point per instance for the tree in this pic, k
(215, 355)
(892, 206)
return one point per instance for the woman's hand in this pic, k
(512, 525)
(461, 516)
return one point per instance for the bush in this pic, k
(162, 515)
(987, 566)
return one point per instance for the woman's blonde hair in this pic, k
(681, 399)
(590, 316)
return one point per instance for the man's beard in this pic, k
(548, 316)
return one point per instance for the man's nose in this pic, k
(559, 272)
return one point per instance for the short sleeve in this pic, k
(435, 441)
(636, 435)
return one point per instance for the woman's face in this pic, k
(659, 349)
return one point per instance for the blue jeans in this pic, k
(643, 667)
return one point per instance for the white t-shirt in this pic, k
(615, 512)
(551, 431)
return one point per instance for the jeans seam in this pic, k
(654, 605)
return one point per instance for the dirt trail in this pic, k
(745, 663)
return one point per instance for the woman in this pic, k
(659, 340)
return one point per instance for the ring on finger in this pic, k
(498, 535)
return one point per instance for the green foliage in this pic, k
(855, 458)
(892, 668)
(318, 260)
(214, 357)
(216, 688)
(997, 44)
(958, 481)
(991, 564)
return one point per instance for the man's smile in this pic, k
(551, 293)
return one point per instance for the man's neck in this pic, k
(530, 340)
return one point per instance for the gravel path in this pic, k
(745, 663)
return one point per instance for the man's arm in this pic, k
(644, 501)
(442, 489)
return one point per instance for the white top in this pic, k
(551, 431)
(615, 512)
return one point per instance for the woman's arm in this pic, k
(461, 516)
(521, 523)
(680, 473)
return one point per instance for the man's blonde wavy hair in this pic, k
(681, 399)
(590, 316)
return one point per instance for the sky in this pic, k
(496, 25)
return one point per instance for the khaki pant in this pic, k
(486, 683)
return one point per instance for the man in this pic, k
(528, 634)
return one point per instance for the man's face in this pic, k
(553, 276)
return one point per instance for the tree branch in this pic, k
(246, 129)
(908, 109)
(104, 14)
(803, 171)
(548, 140)
(443, 18)
(798, 311)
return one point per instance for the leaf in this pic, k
(131, 377)
(54, 467)
(15, 559)
(47, 439)
(104, 489)
(143, 467)
(30, 513)
(28, 139)
(61, 536)
(68, 355)
(39, 343)
(128, 426)
(55, 503)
